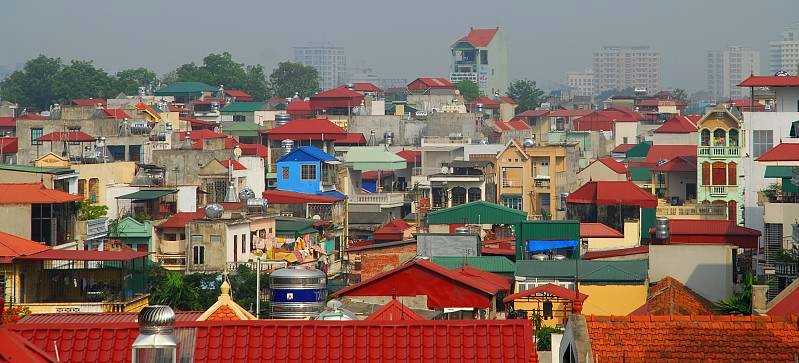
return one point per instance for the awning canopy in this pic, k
(84, 255)
(148, 194)
(778, 171)
(612, 193)
(543, 246)
(364, 158)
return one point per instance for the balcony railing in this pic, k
(460, 76)
(721, 190)
(512, 183)
(719, 151)
(541, 183)
(382, 199)
(786, 269)
(171, 262)
(132, 305)
(709, 211)
(266, 266)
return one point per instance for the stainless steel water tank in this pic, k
(297, 293)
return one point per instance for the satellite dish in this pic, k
(236, 152)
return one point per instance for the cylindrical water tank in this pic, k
(287, 145)
(662, 228)
(297, 293)
(282, 119)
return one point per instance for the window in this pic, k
(94, 189)
(719, 137)
(308, 172)
(733, 134)
(198, 255)
(719, 173)
(706, 173)
(732, 175)
(74, 129)
(285, 173)
(82, 187)
(483, 57)
(36, 133)
(239, 118)
(215, 238)
(195, 239)
(762, 141)
(243, 243)
(512, 201)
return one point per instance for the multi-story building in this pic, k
(620, 67)
(784, 53)
(330, 61)
(482, 57)
(728, 67)
(718, 160)
(581, 83)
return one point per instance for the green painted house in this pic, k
(137, 235)
(242, 111)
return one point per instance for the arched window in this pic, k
(733, 134)
(705, 137)
(94, 189)
(475, 194)
(732, 174)
(458, 196)
(719, 137)
(706, 173)
(719, 173)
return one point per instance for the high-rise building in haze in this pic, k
(581, 83)
(620, 67)
(482, 57)
(726, 68)
(330, 61)
(784, 53)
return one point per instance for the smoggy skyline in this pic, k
(545, 40)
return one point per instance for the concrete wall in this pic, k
(121, 172)
(114, 191)
(598, 172)
(240, 232)
(619, 300)
(188, 162)
(706, 269)
(677, 183)
(255, 173)
(16, 219)
(785, 213)
(674, 139)
(625, 132)
(632, 238)
(787, 99)
(427, 103)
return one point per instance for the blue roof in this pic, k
(307, 153)
(334, 194)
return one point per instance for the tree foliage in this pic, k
(88, 210)
(526, 94)
(173, 290)
(740, 302)
(680, 94)
(290, 78)
(198, 291)
(129, 80)
(221, 69)
(32, 86)
(468, 89)
(543, 334)
(81, 79)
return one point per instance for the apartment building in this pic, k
(784, 53)
(481, 57)
(727, 67)
(329, 60)
(620, 67)
(581, 83)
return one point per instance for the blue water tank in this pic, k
(297, 293)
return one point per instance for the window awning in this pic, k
(148, 194)
(779, 171)
(543, 246)
(84, 255)
(363, 158)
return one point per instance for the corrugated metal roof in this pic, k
(497, 264)
(88, 318)
(148, 194)
(480, 212)
(243, 107)
(590, 271)
(181, 88)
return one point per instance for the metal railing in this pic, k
(171, 262)
(719, 151)
(511, 183)
(721, 190)
(377, 198)
(788, 269)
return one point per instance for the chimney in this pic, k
(759, 299)
(156, 342)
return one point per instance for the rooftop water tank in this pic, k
(282, 119)
(297, 293)
(214, 211)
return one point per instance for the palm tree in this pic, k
(740, 302)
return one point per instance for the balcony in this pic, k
(719, 151)
(542, 183)
(508, 183)
(693, 211)
(785, 269)
(721, 190)
(266, 266)
(460, 76)
(171, 262)
(384, 200)
(133, 305)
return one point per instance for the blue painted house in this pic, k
(307, 169)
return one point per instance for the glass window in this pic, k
(719, 137)
(308, 172)
(243, 243)
(483, 57)
(514, 201)
(35, 134)
(285, 173)
(733, 135)
(215, 238)
(762, 141)
(198, 255)
(239, 118)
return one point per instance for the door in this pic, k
(690, 191)
(235, 248)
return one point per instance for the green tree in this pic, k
(468, 89)
(526, 94)
(81, 79)
(242, 284)
(129, 80)
(255, 83)
(543, 334)
(32, 86)
(680, 94)
(175, 292)
(740, 302)
(88, 210)
(221, 69)
(290, 78)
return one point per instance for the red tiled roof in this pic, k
(298, 105)
(203, 134)
(238, 94)
(72, 136)
(15, 348)
(548, 289)
(33, 116)
(89, 101)
(352, 138)
(486, 102)
(501, 251)
(533, 113)
(12, 247)
(678, 164)
(598, 230)
(502, 126)
(770, 81)
(659, 153)
(692, 338)
(394, 311)
(297, 340)
(507, 99)
(84, 255)
(670, 297)
(9, 145)
(746, 103)
(479, 38)
(596, 255)
(236, 164)
(8, 122)
(411, 156)
(116, 113)
(197, 124)
(612, 164)
(595, 121)
(141, 106)
(430, 82)
(372, 174)
(623, 148)
(107, 318)
(612, 193)
(696, 231)
(694, 118)
(786, 302)
(274, 196)
(677, 124)
(179, 219)
(365, 87)
(254, 150)
(568, 113)
(782, 152)
(308, 129)
(338, 97)
(33, 193)
(517, 123)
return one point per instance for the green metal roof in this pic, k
(640, 174)
(243, 107)
(148, 194)
(639, 150)
(241, 128)
(589, 271)
(777, 171)
(364, 158)
(545, 231)
(184, 88)
(129, 227)
(36, 169)
(498, 264)
(480, 212)
(296, 226)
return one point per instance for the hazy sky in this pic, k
(403, 39)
